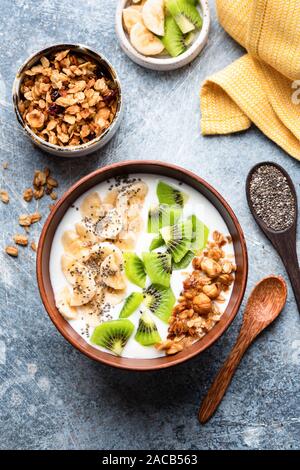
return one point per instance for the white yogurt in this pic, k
(197, 204)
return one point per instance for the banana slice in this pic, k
(112, 271)
(111, 225)
(72, 244)
(113, 296)
(138, 190)
(126, 240)
(68, 237)
(154, 16)
(92, 311)
(91, 206)
(62, 301)
(131, 198)
(134, 210)
(81, 279)
(70, 267)
(86, 232)
(106, 208)
(78, 249)
(122, 204)
(111, 197)
(136, 224)
(84, 289)
(131, 16)
(144, 41)
(102, 250)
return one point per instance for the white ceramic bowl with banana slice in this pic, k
(162, 34)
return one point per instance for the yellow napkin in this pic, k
(259, 87)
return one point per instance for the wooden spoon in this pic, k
(284, 241)
(264, 304)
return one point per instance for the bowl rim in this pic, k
(162, 63)
(107, 358)
(48, 49)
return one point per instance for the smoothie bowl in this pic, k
(142, 265)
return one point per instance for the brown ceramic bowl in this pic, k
(106, 173)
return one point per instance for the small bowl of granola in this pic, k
(68, 100)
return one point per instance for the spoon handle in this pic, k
(289, 257)
(224, 376)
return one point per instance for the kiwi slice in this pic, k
(134, 269)
(158, 267)
(132, 302)
(113, 335)
(157, 242)
(185, 261)
(189, 38)
(160, 301)
(147, 333)
(178, 239)
(162, 215)
(185, 14)
(200, 234)
(173, 38)
(169, 195)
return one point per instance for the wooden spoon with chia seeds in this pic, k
(272, 200)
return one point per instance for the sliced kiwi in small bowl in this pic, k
(157, 34)
(173, 39)
(185, 13)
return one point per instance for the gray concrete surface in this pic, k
(51, 396)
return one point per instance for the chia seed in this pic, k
(272, 198)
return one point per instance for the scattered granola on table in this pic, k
(25, 220)
(12, 251)
(33, 246)
(197, 310)
(28, 194)
(67, 100)
(43, 183)
(4, 196)
(35, 217)
(21, 239)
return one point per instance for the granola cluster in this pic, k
(43, 184)
(67, 100)
(197, 310)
